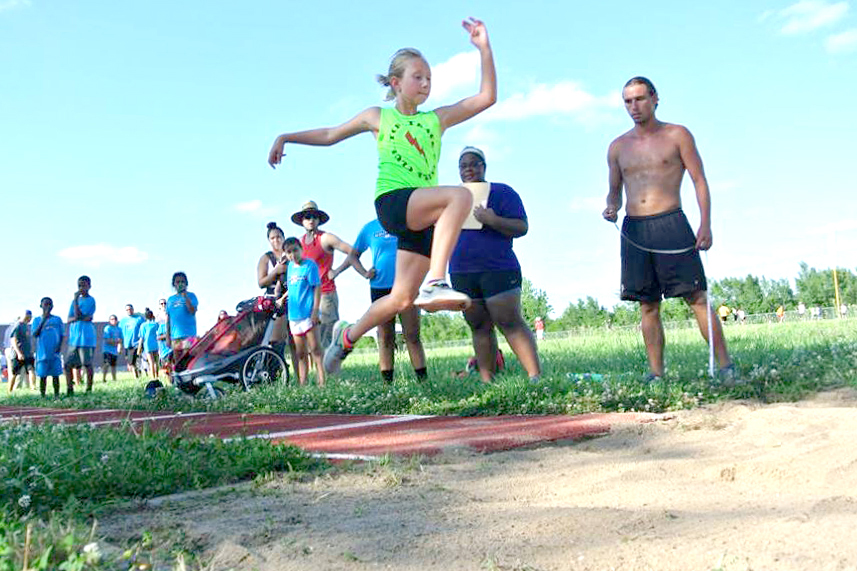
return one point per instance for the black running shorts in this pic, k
(649, 276)
(392, 211)
(485, 285)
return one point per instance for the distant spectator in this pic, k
(781, 314)
(22, 362)
(130, 325)
(801, 310)
(164, 350)
(149, 342)
(723, 311)
(81, 335)
(7, 351)
(48, 333)
(741, 316)
(161, 314)
(540, 328)
(816, 312)
(111, 337)
(843, 310)
(181, 316)
(271, 276)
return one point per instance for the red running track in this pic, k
(353, 436)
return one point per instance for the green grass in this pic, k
(781, 362)
(54, 476)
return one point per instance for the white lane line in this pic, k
(79, 413)
(383, 421)
(337, 456)
(145, 418)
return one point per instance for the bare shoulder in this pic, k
(621, 139)
(678, 132)
(616, 146)
(371, 117)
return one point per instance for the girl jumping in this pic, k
(425, 218)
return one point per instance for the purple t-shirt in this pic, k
(487, 250)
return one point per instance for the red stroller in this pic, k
(237, 350)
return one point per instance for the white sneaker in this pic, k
(438, 296)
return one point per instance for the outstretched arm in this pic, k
(614, 194)
(487, 96)
(367, 120)
(693, 163)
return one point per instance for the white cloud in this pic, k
(250, 206)
(840, 226)
(12, 4)
(459, 71)
(563, 98)
(255, 207)
(592, 204)
(809, 15)
(842, 43)
(97, 254)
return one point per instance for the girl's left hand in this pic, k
(478, 32)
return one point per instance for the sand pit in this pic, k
(735, 486)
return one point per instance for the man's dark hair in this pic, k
(291, 241)
(84, 279)
(640, 80)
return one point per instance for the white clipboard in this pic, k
(480, 192)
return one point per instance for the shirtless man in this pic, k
(649, 162)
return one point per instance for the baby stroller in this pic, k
(237, 350)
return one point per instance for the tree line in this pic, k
(752, 294)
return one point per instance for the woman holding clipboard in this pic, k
(484, 267)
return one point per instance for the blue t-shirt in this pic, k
(48, 345)
(182, 322)
(130, 325)
(487, 250)
(383, 245)
(111, 332)
(163, 349)
(303, 279)
(149, 335)
(50, 339)
(82, 333)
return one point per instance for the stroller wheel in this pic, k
(209, 391)
(263, 365)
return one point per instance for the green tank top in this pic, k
(408, 150)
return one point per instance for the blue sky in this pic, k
(134, 136)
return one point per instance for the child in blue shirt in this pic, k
(47, 332)
(304, 293)
(149, 342)
(81, 335)
(112, 338)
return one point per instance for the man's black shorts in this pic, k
(28, 363)
(485, 285)
(110, 359)
(131, 355)
(392, 211)
(649, 276)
